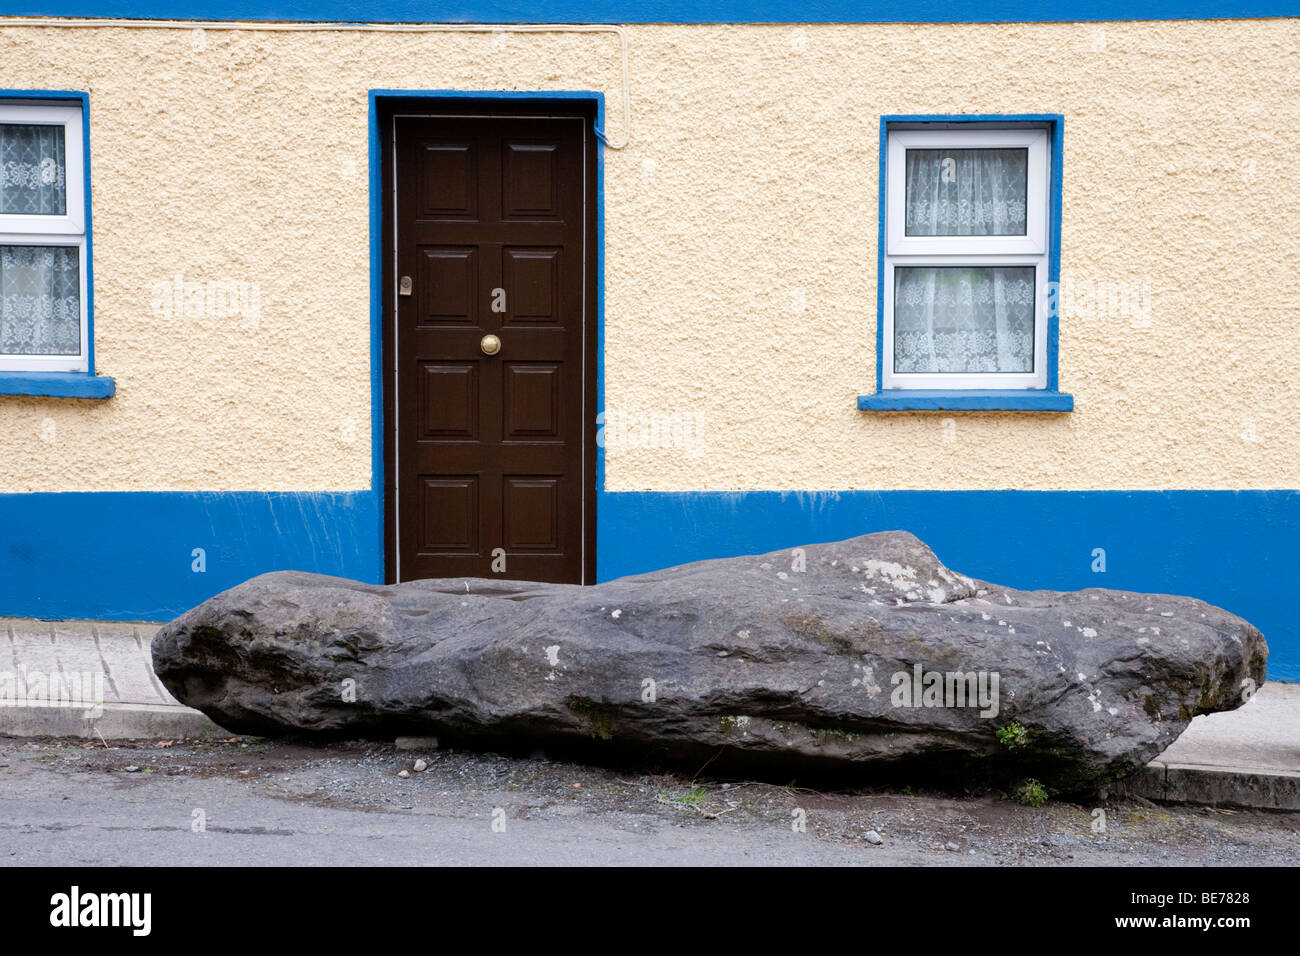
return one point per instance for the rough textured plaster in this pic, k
(740, 259)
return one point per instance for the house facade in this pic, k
(594, 288)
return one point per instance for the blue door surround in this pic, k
(379, 481)
(138, 555)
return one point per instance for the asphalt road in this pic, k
(250, 802)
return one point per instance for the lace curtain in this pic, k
(963, 318)
(40, 300)
(966, 192)
(32, 170)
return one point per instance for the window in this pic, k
(966, 259)
(967, 262)
(44, 323)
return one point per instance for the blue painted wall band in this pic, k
(661, 11)
(129, 555)
(1234, 549)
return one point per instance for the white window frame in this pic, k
(66, 230)
(1030, 249)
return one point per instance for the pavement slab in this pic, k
(106, 672)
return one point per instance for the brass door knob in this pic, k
(490, 345)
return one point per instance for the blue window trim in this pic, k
(57, 384)
(661, 11)
(1047, 399)
(67, 384)
(1008, 399)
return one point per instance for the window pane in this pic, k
(32, 170)
(40, 300)
(967, 192)
(963, 319)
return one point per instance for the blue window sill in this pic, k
(1012, 399)
(57, 384)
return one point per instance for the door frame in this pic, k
(384, 104)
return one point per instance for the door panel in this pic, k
(447, 284)
(449, 403)
(489, 451)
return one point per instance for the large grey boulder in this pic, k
(863, 655)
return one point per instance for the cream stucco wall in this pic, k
(740, 256)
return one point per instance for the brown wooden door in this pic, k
(492, 453)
